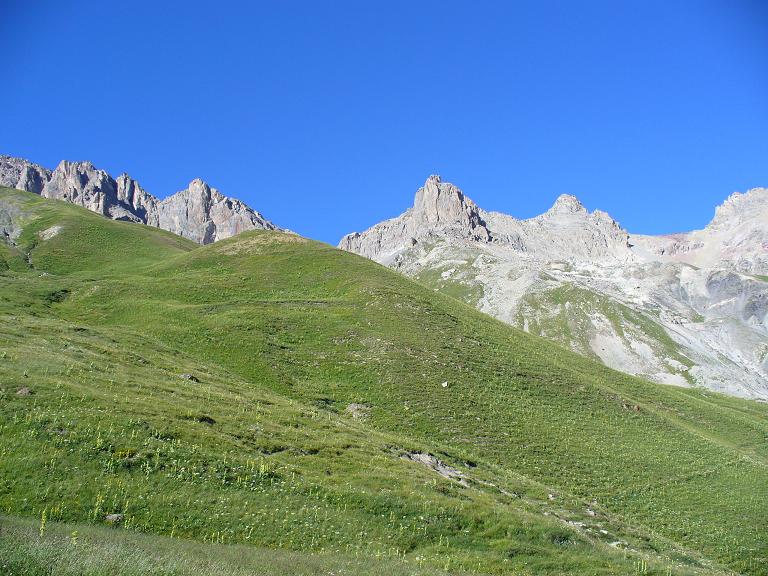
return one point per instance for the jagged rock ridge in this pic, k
(737, 237)
(199, 212)
(441, 210)
(438, 205)
(206, 215)
(23, 175)
(688, 309)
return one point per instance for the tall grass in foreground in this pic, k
(82, 550)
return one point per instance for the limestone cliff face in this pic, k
(199, 212)
(438, 206)
(203, 214)
(22, 174)
(136, 200)
(83, 184)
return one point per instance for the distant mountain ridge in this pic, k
(736, 238)
(686, 309)
(441, 209)
(199, 212)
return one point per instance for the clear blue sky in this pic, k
(327, 116)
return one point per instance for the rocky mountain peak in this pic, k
(83, 184)
(735, 239)
(566, 204)
(80, 165)
(203, 214)
(23, 174)
(439, 208)
(197, 189)
(199, 186)
(198, 212)
(739, 207)
(441, 204)
(437, 202)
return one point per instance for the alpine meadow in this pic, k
(272, 391)
(435, 288)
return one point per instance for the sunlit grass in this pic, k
(565, 475)
(84, 550)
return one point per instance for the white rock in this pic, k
(22, 174)
(199, 212)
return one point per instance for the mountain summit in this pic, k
(205, 215)
(199, 212)
(566, 204)
(441, 204)
(441, 210)
(438, 208)
(736, 238)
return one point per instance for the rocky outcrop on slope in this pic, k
(9, 222)
(678, 310)
(199, 212)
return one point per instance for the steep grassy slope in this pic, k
(567, 466)
(65, 239)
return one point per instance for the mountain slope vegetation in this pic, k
(274, 391)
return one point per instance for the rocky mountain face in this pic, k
(736, 238)
(441, 211)
(689, 309)
(199, 212)
(23, 175)
(206, 215)
(438, 206)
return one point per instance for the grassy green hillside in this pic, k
(86, 550)
(316, 376)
